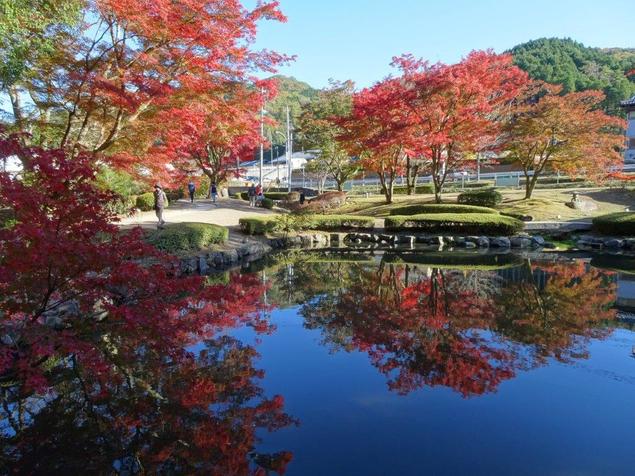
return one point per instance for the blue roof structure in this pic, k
(628, 103)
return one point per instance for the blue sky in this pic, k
(356, 39)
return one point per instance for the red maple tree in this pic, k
(377, 132)
(97, 323)
(455, 111)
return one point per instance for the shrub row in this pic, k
(621, 223)
(188, 237)
(456, 260)
(450, 187)
(262, 225)
(483, 198)
(340, 222)
(403, 190)
(469, 223)
(440, 208)
(269, 195)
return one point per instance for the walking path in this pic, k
(225, 212)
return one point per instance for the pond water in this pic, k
(398, 363)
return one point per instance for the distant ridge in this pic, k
(578, 67)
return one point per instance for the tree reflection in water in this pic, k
(133, 400)
(466, 330)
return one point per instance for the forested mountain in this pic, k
(578, 67)
(292, 93)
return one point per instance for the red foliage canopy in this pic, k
(95, 323)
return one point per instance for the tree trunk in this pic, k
(530, 183)
(412, 172)
(390, 187)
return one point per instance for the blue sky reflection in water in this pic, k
(567, 409)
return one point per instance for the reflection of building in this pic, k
(629, 107)
(625, 292)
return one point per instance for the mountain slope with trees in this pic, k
(580, 68)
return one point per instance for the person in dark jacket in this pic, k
(160, 201)
(251, 193)
(192, 189)
(213, 192)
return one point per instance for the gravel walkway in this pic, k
(225, 212)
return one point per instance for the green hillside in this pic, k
(293, 93)
(578, 67)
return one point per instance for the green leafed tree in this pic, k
(318, 129)
(28, 27)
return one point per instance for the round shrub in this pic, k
(468, 223)
(123, 205)
(621, 223)
(182, 237)
(440, 208)
(145, 202)
(483, 198)
(267, 203)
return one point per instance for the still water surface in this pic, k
(404, 364)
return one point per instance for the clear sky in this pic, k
(356, 39)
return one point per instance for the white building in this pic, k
(629, 107)
(275, 170)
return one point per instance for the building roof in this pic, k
(628, 102)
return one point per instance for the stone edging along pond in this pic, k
(209, 261)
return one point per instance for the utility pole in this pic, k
(289, 150)
(262, 134)
(478, 166)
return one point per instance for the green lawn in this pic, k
(546, 204)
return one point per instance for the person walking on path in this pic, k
(160, 200)
(213, 192)
(251, 193)
(259, 195)
(191, 188)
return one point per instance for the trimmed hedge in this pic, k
(262, 225)
(188, 237)
(483, 198)
(456, 260)
(469, 223)
(267, 203)
(458, 187)
(269, 195)
(440, 208)
(339, 222)
(403, 190)
(621, 223)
